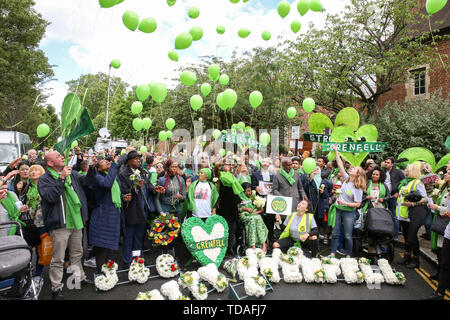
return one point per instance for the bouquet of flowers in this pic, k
(231, 267)
(166, 266)
(251, 256)
(171, 290)
(199, 291)
(389, 276)
(134, 178)
(255, 286)
(109, 279)
(296, 253)
(150, 295)
(259, 254)
(164, 229)
(211, 274)
(259, 202)
(320, 276)
(138, 272)
(269, 267)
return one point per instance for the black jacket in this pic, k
(396, 176)
(51, 192)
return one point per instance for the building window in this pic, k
(419, 76)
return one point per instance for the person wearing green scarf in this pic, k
(377, 192)
(65, 210)
(8, 203)
(202, 195)
(104, 224)
(242, 173)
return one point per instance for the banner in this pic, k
(279, 205)
(355, 147)
(240, 139)
(316, 137)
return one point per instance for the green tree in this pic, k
(23, 66)
(359, 54)
(416, 123)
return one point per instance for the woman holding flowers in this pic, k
(250, 210)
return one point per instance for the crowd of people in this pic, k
(110, 197)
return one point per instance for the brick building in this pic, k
(426, 79)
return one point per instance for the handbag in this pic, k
(439, 224)
(45, 250)
(414, 196)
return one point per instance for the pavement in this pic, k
(418, 284)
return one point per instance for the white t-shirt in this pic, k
(202, 198)
(349, 193)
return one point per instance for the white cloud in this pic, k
(98, 35)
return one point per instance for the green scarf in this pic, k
(9, 203)
(73, 204)
(404, 182)
(332, 213)
(333, 173)
(33, 197)
(191, 202)
(369, 190)
(207, 172)
(288, 176)
(115, 194)
(229, 180)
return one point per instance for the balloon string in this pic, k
(435, 46)
(29, 112)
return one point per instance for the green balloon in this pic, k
(216, 134)
(309, 104)
(115, 64)
(136, 107)
(244, 33)
(183, 41)
(74, 144)
(130, 20)
(196, 102)
(148, 25)
(266, 35)
(147, 123)
(170, 123)
(296, 26)
(205, 89)
(222, 152)
(143, 149)
(143, 92)
(193, 12)
(196, 33)
(434, 6)
(171, 2)
(224, 79)
(123, 152)
(188, 78)
(291, 112)
(315, 5)
(220, 102)
(214, 72)
(283, 8)
(220, 29)
(264, 139)
(309, 165)
(241, 125)
(229, 98)
(159, 92)
(234, 1)
(138, 124)
(162, 135)
(255, 99)
(173, 55)
(169, 134)
(108, 3)
(42, 130)
(303, 6)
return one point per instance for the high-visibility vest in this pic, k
(303, 227)
(402, 209)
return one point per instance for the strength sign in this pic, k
(316, 137)
(355, 147)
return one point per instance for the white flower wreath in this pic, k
(211, 274)
(150, 295)
(171, 290)
(370, 276)
(191, 280)
(246, 269)
(255, 286)
(389, 275)
(138, 272)
(166, 266)
(269, 268)
(350, 269)
(109, 279)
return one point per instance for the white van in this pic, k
(13, 145)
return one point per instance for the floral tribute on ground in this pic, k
(164, 229)
(108, 279)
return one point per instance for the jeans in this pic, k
(345, 220)
(392, 205)
(133, 239)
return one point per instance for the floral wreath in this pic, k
(164, 229)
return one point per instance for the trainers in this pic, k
(321, 237)
(340, 252)
(91, 263)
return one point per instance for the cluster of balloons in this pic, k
(139, 124)
(303, 6)
(131, 21)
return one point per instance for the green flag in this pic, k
(83, 127)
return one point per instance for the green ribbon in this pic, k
(332, 213)
(229, 180)
(9, 203)
(288, 176)
(73, 204)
